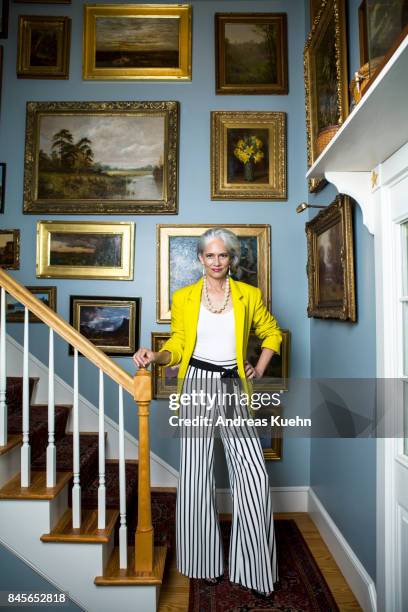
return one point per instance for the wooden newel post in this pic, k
(144, 549)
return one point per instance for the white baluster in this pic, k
(25, 449)
(101, 440)
(51, 450)
(3, 371)
(76, 489)
(122, 488)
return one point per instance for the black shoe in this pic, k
(261, 595)
(213, 581)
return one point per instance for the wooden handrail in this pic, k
(66, 331)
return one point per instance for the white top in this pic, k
(215, 336)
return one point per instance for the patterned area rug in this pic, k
(301, 586)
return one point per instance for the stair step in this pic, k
(38, 488)
(90, 495)
(114, 576)
(87, 533)
(12, 441)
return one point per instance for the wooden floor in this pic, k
(175, 588)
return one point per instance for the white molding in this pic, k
(284, 499)
(357, 185)
(162, 473)
(358, 579)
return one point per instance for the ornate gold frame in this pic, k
(222, 87)
(340, 211)
(16, 248)
(35, 290)
(45, 270)
(63, 27)
(330, 10)
(165, 232)
(98, 206)
(275, 122)
(77, 301)
(182, 12)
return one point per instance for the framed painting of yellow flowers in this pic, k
(248, 155)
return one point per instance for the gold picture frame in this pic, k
(330, 262)
(176, 242)
(248, 155)
(110, 323)
(265, 69)
(137, 42)
(101, 158)
(15, 310)
(77, 249)
(325, 73)
(43, 47)
(10, 249)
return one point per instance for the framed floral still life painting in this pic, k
(137, 41)
(330, 262)
(251, 53)
(248, 155)
(111, 323)
(178, 265)
(86, 250)
(101, 158)
(43, 47)
(326, 86)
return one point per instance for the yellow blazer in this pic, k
(249, 311)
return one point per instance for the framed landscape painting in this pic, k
(111, 323)
(251, 53)
(10, 249)
(101, 158)
(248, 155)
(137, 41)
(326, 83)
(2, 186)
(178, 264)
(15, 310)
(43, 47)
(75, 249)
(330, 262)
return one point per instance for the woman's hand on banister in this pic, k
(144, 356)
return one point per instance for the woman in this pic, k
(210, 325)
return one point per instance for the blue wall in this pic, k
(343, 471)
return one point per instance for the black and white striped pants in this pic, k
(199, 549)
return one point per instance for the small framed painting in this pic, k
(178, 265)
(15, 310)
(248, 155)
(164, 377)
(101, 158)
(76, 249)
(4, 14)
(110, 323)
(251, 53)
(330, 262)
(137, 41)
(43, 47)
(2, 186)
(276, 375)
(10, 249)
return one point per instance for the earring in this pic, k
(229, 271)
(203, 271)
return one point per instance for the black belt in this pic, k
(226, 373)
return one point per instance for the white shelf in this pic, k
(377, 126)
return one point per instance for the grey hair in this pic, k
(230, 240)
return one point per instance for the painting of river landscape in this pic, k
(113, 161)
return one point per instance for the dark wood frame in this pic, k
(4, 19)
(134, 327)
(3, 167)
(281, 87)
(16, 242)
(52, 293)
(339, 211)
(24, 70)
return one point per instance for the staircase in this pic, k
(91, 525)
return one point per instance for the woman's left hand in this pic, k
(250, 371)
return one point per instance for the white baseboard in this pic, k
(284, 499)
(162, 474)
(358, 579)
